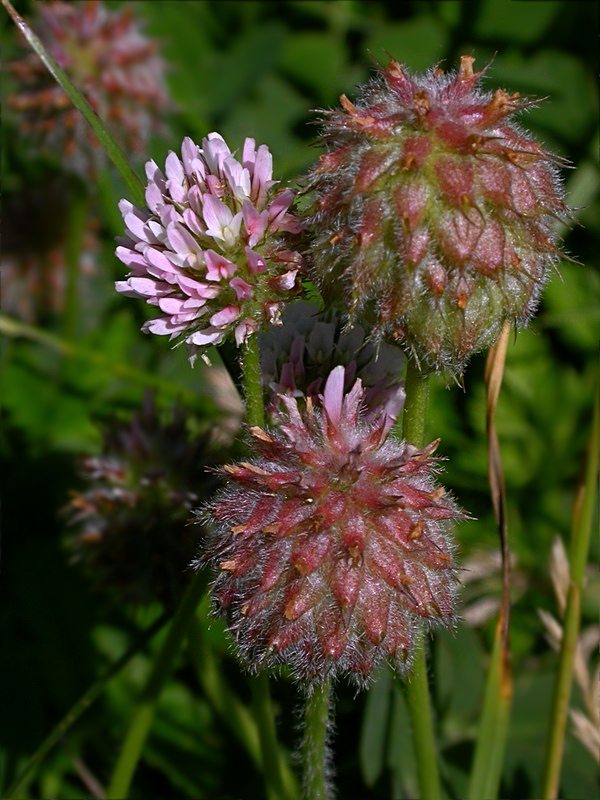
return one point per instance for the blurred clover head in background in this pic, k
(35, 245)
(131, 519)
(110, 60)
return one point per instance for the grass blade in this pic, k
(84, 702)
(493, 726)
(580, 541)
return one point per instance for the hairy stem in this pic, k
(580, 541)
(315, 755)
(139, 727)
(261, 694)
(417, 688)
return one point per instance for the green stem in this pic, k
(580, 541)
(78, 213)
(416, 386)
(234, 713)
(111, 148)
(492, 734)
(314, 745)
(261, 695)
(214, 685)
(84, 702)
(255, 412)
(417, 688)
(493, 726)
(161, 669)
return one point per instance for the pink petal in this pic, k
(334, 394)
(263, 172)
(154, 198)
(256, 263)
(205, 337)
(174, 168)
(243, 330)
(286, 281)
(224, 317)
(155, 175)
(249, 154)
(131, 258)
(215, 151)
(189, 153)
(146, 287)
(255, 223)
(215, 213)
(279, 206)
(242, 289)
(161, 326)
(217, 266)
(171, 305)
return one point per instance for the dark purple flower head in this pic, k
(298, 356)
(211, 250)
(332, 545)
(131, 519)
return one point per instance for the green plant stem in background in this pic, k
(493, 726)
(78, 212)
(84, 702)
(578, 555)
(314, 745)
(111, 148)
(495, 716)
(234, 713)
(416, 687)
(139, 727)
(261, 694)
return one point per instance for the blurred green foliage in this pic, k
(259, 69)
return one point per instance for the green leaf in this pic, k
(569, 110)
(374, 727)
(572, 306)
(400, 757)
(316, 60)
(521, 22)
(418, 43)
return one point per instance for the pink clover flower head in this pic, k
(332, 546)
(111, 61)
(211, 250)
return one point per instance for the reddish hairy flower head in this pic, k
(332, 545)
(110, 60)
(434, 210)
(211, 249)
